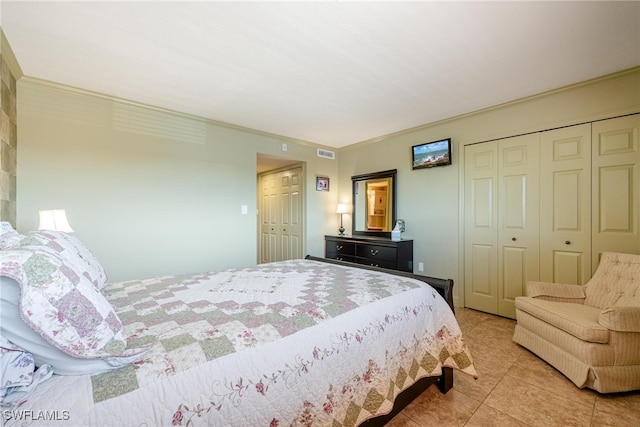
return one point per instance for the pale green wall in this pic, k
(148, 203)
(148, 191)
(429, 200)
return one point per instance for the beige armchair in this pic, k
(590, 333)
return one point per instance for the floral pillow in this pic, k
(63, 306)
(74, 253)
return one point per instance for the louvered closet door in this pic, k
(565, 205)
(481, 222)
(616, 187)
(518, 218)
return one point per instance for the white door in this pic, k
(281, 215)
(616, 187)
(481, 222)
(269, 218)
(565, 205)
(518, 219)
(291, 214)
(501, 222)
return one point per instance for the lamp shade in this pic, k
(54, 219)
(342, 209)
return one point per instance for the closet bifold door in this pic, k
(269, 218)
(615, 187)
(501, 222)
(565, 205)
(281, 219)
(480, 226)
(518, 218)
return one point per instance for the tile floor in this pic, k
(515, 388)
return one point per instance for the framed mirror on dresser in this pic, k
(374, 203)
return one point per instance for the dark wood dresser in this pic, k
(376, 251)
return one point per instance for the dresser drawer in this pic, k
(336, 247)
(377, 253)
(376, 263)
(340, 257)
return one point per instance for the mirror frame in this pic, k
(392, 173)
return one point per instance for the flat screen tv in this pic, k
(431, 154)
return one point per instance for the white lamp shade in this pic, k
(55, 219)
(342, 209)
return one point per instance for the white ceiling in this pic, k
(333, 73)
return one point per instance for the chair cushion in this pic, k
(578, 320)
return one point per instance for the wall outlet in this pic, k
(284, 146)
(420, 266)
(244, 209)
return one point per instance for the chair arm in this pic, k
(621, 318)
(561, 292)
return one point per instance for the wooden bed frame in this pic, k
(444, 381)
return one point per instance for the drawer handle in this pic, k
(374, 265)
(339, 247)
(567, 242)
(374, 252)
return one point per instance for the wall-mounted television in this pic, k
(431, 154)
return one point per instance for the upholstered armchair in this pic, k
(590, 333)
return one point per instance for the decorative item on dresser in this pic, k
(374, 251)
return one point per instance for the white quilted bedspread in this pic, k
(290, 343)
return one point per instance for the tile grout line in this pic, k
(482, 402)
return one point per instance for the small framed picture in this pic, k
(322, 183)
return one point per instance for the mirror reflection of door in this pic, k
(378, 206)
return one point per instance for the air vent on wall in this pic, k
(326, 154)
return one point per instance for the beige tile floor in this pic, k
(514, 388)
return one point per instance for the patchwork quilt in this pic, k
(289, 343)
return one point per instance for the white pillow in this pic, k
(13, 328)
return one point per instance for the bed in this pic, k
(311, 342)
